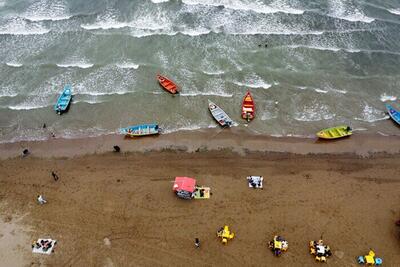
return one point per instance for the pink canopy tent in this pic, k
(184, 184)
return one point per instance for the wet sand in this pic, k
(118, 209)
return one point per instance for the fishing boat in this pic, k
(140, 130)
(63, 100)
(219, 115)
(248, 107)
(167, 84)
(335, 132)
(393, 113)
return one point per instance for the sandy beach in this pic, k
(118, 209)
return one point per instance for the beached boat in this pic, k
(219, 115)
(248, 107)
(393, 113)
(63, 100)
(167, 84)
(140, 130)
(335, 132)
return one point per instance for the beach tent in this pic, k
(184, 187)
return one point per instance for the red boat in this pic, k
(248, 107)
(167, 84)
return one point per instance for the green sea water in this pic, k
(309, 64)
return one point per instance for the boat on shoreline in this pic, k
(140, 130)
(335, 132)
(63, 100)
(219, 115)
(167, 84)
(248, 107)
(393, 113)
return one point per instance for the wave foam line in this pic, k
(258, 84)
(127, 65)
(14, 64)
(34, 18)
(394, 11)
(253, 6)
(206, 94)
(76, 65)
(385, 97)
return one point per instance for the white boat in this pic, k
(219, 115)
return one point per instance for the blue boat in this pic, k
(63, 100)
(393, 113)
(140, 130)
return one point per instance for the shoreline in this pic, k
(237, 140)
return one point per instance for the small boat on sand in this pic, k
(335, 132)
(167, 84)
(140, 130)
(248, 107)
(219, 115)
(63, 100)
(393, 113)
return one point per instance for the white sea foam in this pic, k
(14, 64)
(17, 26)
(385, 97)
(127, 65)
(75, 65)
(25, 106)
(192, 127)
(45, 10)
(247, 5)
(395, 11)
(343, 9)
(159, 1)
(216, 72)
(221, 94)
(371, 114)
(314, 112)
(256, 84)
(320, 91)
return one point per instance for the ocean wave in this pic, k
(76, 65)
(159, 1)
(193, 127)
(320, 91)
(385, 97)
(394, 11)
(47, 10)
(25, 106)
(34, 18)
(346, 10)
(95, 93)
(314, 112)
(246, 5)
(14, 64)
(256, 84)
(127, 65)
(371, 114)
(221, 94)
(216, 72)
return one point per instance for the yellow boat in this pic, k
(335, 132)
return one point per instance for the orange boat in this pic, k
(248, 107)
(167, 84)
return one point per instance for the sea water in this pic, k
(309, 64)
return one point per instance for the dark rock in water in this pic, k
(117, 149)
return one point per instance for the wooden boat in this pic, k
(167, 84)
(63, 100)
(140, 130)
(219, 115)
(335, 132)
(393, 113)
(248, 107)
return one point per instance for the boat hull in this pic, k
(219, 115)
(64, 100)
(393, 113)
(140, 130)
(167, 84)
(335, 132)
(248, 107)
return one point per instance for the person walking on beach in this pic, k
(197, 242)
(55, 176)
(41, 200)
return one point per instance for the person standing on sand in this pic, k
(197, 242)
